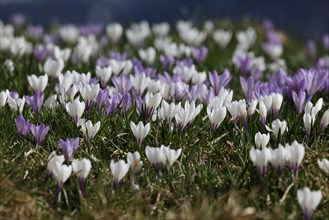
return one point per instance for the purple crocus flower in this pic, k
(39, 132)
(18, 20)
(126, 102)
(112, 104)
(122, 83)
(118, 56)
(102, 62)
(314, 79)
(23, 126)
(167, 61)
(311, 48)
(248, 87)
(35, 31)
(244, 63)
(90, 29)
(140, 104)
(40, 52)
(219, 81)
(35, 101)
(102, 96)
(199, 54)
(299, 100)
(14, 95)
(325, 40)
(185, 62)
(68, 147)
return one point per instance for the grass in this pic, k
(214, 177)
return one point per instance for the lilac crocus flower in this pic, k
(23, 126)
(126, 102)
(244, 63)
(35, 101)
(219, 81)
(199, 54)
(39, 132)
(18, 19)
(68, 147)
(101, 98)
(118, 56)
(40, 52)
(299, 100)
(112, 104)
(35, 31)
(167, 61)
(122, 83)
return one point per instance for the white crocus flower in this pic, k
(277, 99)
(308, 201)
(104, 74)
(295, 155)
(140, 131)
(233, 109)
(16, 104)
(135, 164)
(148, 55)
(121, 66)
(88, 129)
(278, 158)
(61, 173)
(53, 67)
(51, 102)
(152, 102)
(167, 111)
(114, 31)
(260, 158)
(89, 93)
(216, 117)
(82, 169)
(75, 109)
(307, 119)
(324, 165)
(139, 82)
(3, 98)
(170, 155)
(324, 122)
(261, 140)
(119, 170)
(161, 29)
(156, 157)
(252, 105)
(52, 159)
(38, 83)
(277, 126)
(222, 38)
(63, 54)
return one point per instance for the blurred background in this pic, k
(306, 18)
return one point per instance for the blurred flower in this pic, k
(53, 67)
(295, 155)
(260, 158)
(114, 31)
(52, 159)
(278, 158)
(222, 38)
(104, 74)
(135, 165)
(308, 201)
(3, 98)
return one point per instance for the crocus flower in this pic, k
(324, 122)
(140, 131)
(171, 155)
(295, 155)
(262, 112)
(156, 157)
(324, 165)
(277, 99)
(88, 129)
(222, 38)
(167, 111)
(152, 102)
(68, 147)
(260, 158)
(52, 159)
(114, 31)
(35, 101)
(53, 67)
(51, 102)
(89, 93)
(307, 119)
(299, 100)
(119, 170)
(216, 117)
(23, 126)
(3, 98)
(278, 158)
(61, 172)
(199, 54)
(139, 82)
(16, 104)
(104, 74)
(135, 164)
(277, 126)
(82, 169)
(219, 81)
(38, 83)
(308, 201)
(261, 140)
(148, 55)
(39, 132)
(75, 109)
